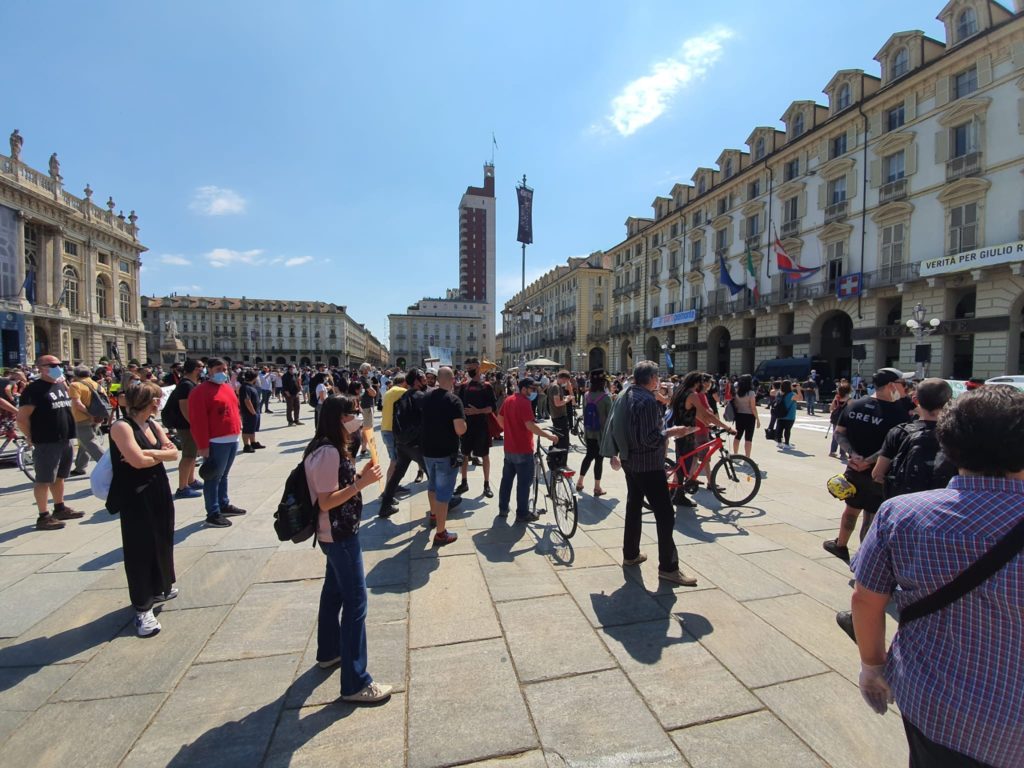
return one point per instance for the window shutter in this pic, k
(875, 174)
(941, 146)
(1020, 116)
(801, 204)
(910, 106)
(1018, 55)
(910, 160)
(853, 182)
(984, 71)
(851, 137)
(941, 91)
(875, 126)
(977, 135)
(823, 150)
(822, 195)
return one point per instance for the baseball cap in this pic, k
(888, 375)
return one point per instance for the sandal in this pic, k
(579, 487)
(599, 492)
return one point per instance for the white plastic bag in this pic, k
(102, 475)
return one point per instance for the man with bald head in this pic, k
(45, 418)
(444, 422)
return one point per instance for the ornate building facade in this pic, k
(562, 316)
(69, 269)
(905, 190)
(261, 330)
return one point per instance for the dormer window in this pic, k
(728, 168)
(966, 24)
(759, 148)
(843, 96)
(798, 124)
(702, 185)
(900, 63)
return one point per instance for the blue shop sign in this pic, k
(676, 318)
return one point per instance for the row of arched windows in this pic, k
(72, 296)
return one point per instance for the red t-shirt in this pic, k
(517, 411)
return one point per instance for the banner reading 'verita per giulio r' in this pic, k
(525, 197)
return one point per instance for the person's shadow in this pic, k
(245, 742)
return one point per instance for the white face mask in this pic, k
(355, 424)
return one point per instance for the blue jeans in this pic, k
(516, 465)
(215, 483)
(811, 401)
(441, 477)
(388, 438)
(344, 594)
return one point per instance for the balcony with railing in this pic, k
(965, 165)
(893, 191)
(753, 242)
(620, 290)
(722, 252)
(836, 212)
(655, 281)
(634, 287)
(790, 228)
(894, 274)
(673, 273)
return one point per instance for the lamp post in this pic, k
(581, 357)
(917, 324)
(520, 321)
(669, 359)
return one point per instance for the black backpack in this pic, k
(920, 464)
(296, 516)
(407, 421)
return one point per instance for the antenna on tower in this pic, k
(494, 146)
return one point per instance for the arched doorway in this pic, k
(652, 349)
(596, 359)
(626, 356)
(42, 341)
(305, 361)
(258, 360)
(832, 344)
(569, 362)
(333, 361)
(280, 361)
(963, 343)
(718, 350)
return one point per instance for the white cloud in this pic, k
(186, 289)
(217, 201)
(224, 257)
(645, 99)
(297, 261)
(175, 260)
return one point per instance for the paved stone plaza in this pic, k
(506, 648)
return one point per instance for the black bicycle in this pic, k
(559, 495)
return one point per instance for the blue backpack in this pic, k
(592, 416)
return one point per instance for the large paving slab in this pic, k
(828, 713)
(607, 596)
(732, 573)
(599, 719)
(549, 637)
(519, 576)
(757, 740)
(477, 713)
(36, 596)
(453, 604)
(219, 578)
(810, 577)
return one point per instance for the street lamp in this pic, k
(670, 359)
(920, 328)
(520, 322)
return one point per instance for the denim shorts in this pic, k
(441, 477)
(388, 438)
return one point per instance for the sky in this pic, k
(318, 150)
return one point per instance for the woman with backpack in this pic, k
(596, 407)
(784, 413)
(744, 405)
(336, 489)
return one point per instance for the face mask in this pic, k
(354, 425)
(205, 372)
(219, 378)
(532, 396)
(55, 372)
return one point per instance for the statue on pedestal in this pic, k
(55, 168)
(16, 143)
(171, 328)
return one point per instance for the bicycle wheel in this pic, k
(537, 471)
(26, 460)
(735, 480)
(564, 503)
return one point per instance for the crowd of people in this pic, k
(937, 483)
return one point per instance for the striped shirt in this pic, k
(646, 433)
(957, 674)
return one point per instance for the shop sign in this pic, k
(989, 256)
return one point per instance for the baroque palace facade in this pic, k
(69, 269)
(261, 330)
(906, 190)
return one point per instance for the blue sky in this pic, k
(318, 150)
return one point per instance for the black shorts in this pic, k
(869, 495)
(745, 426)
(477, 440)
(52, 461)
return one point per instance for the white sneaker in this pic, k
(173, 593)
(371, 694)
(146, 624)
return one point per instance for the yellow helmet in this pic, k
(840, 487)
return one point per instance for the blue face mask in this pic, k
(219, 378)
(532, 396)
(55, 372)
(204, 373)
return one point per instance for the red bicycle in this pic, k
(14, 447)
(735, 480)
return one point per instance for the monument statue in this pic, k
(16, 142)
(171, 327)
(54, 167)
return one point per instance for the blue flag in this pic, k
(726, 279)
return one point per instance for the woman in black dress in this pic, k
(249, 409)
(141, 494)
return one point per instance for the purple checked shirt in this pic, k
(957, 674)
